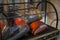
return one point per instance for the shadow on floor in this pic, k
(59, 36)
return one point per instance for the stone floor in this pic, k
(59, 37)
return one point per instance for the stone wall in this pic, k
(51, 16)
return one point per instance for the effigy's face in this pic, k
(32, 12)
